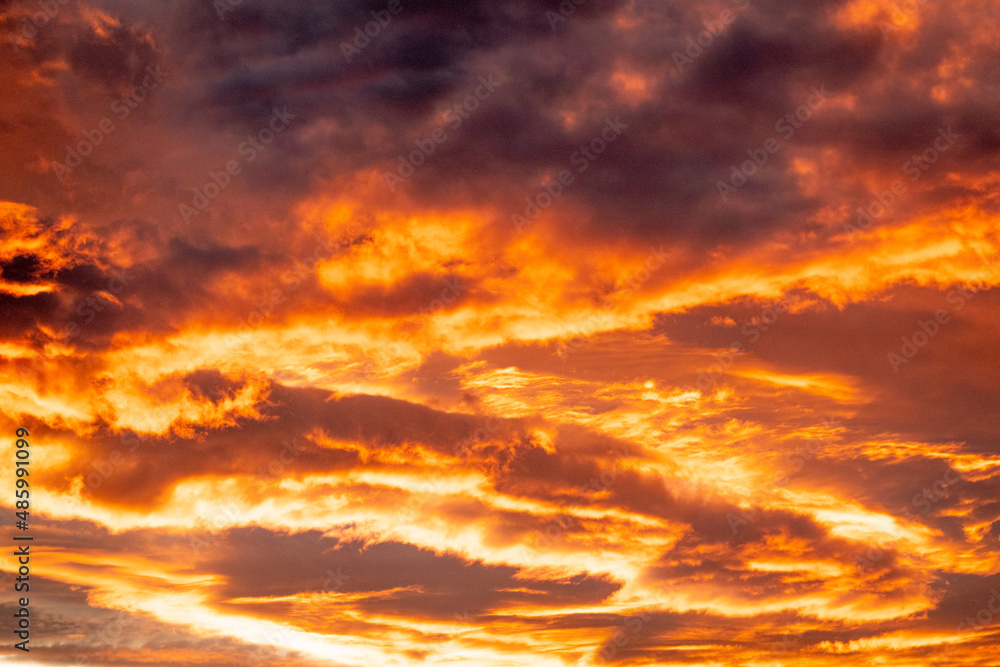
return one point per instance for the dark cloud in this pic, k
(116, 59)
(21, 269)
(418, 581)
(137, 472)
(857, 340)
(22, 314)
(213, 385)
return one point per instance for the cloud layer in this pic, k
(513, 332)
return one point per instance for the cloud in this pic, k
(277, 393)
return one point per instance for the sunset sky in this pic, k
(503, 332)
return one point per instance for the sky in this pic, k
(502, 332)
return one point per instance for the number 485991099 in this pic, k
(23, 459)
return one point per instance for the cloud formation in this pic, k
(597, 332)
